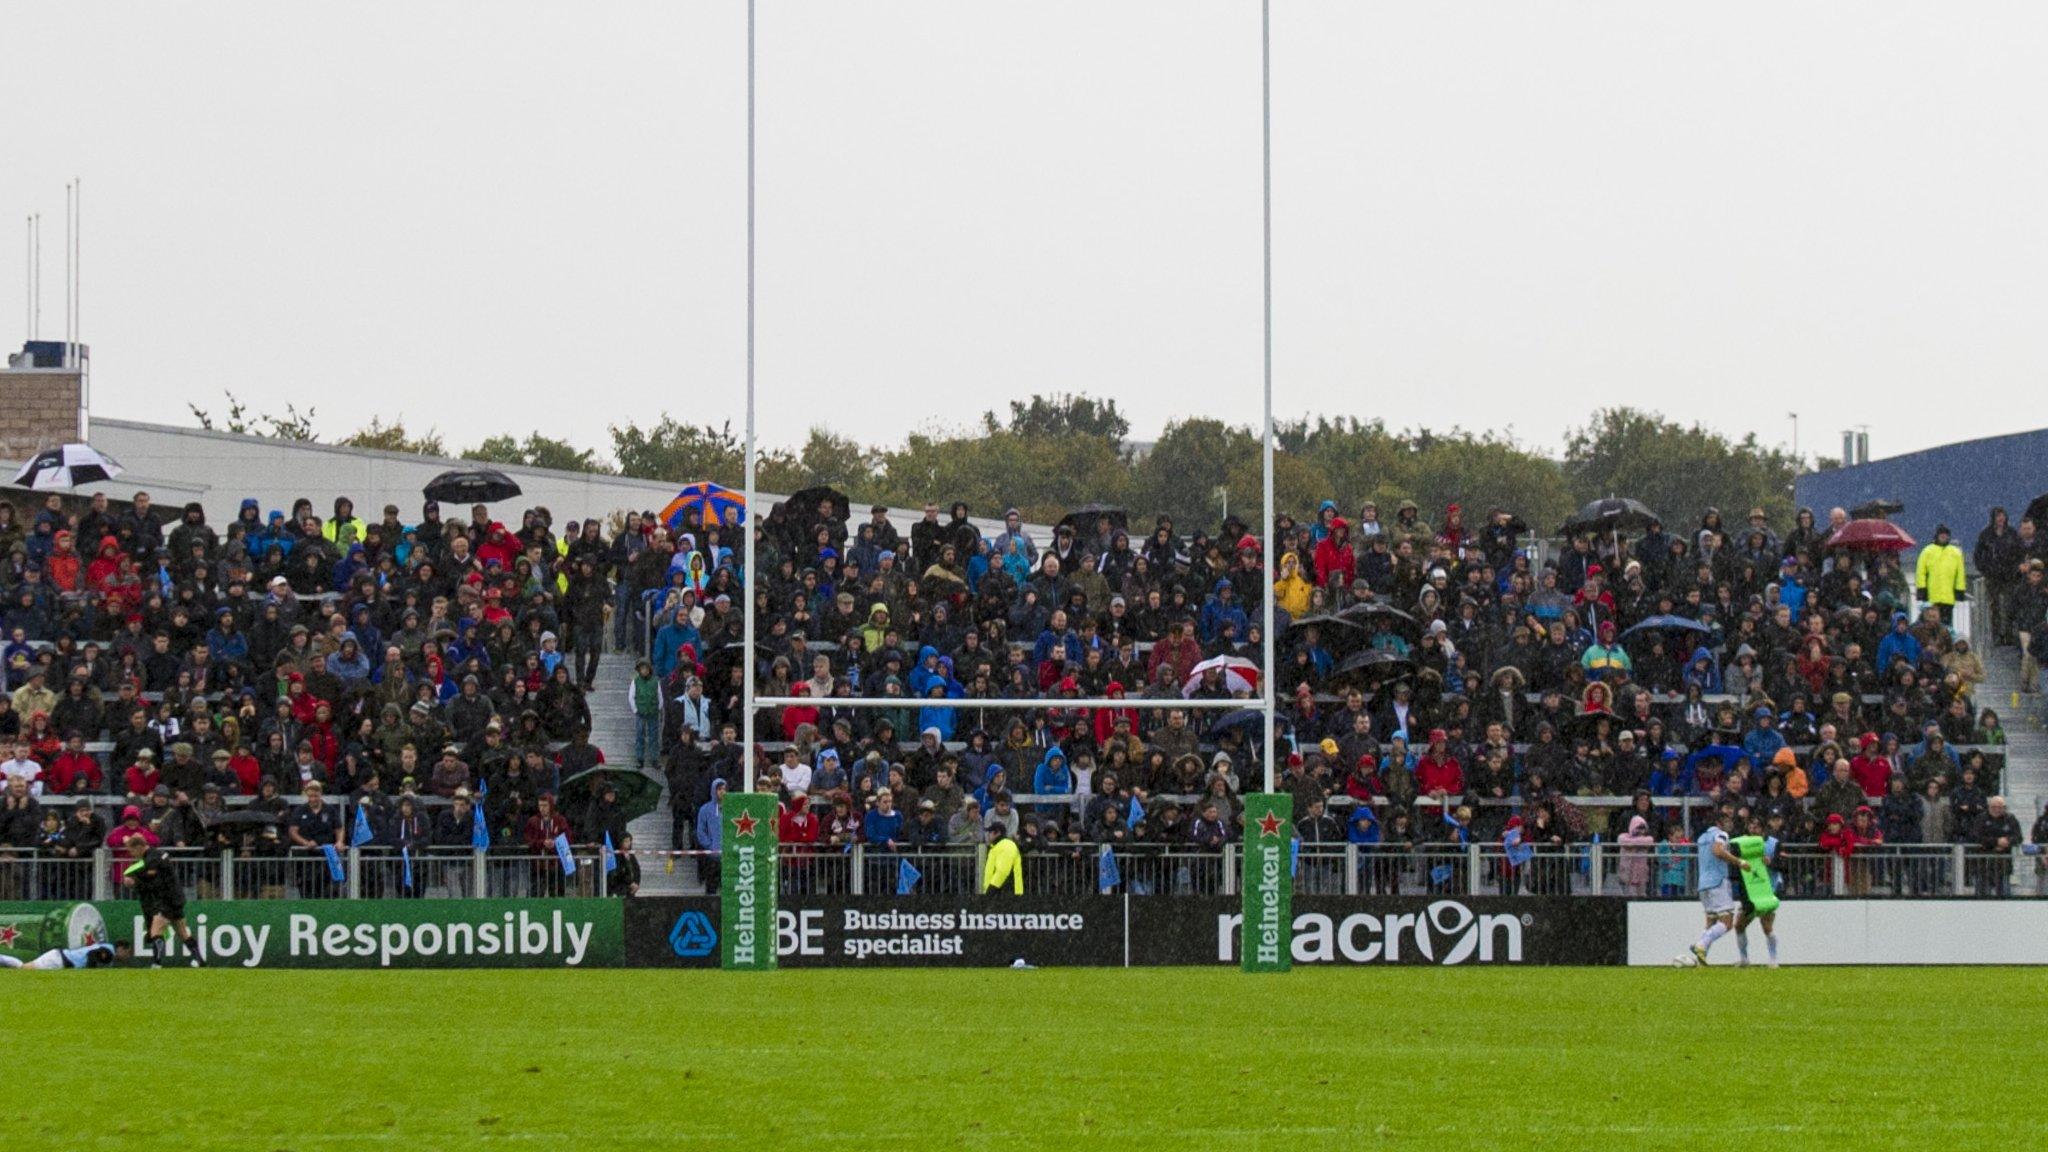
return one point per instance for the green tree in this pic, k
(1483, 472)
(1063, 415)
(537, 451)
(393, 437)
(1187, 464)
(674, 451)
(293, 425)
(1678, 471)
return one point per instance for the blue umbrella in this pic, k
(1669, 624)
(714, 504)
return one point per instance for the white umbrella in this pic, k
(1239, 674)
(67, 466)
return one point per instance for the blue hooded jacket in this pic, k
(1052, 779)
(710, 821)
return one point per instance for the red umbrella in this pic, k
(1872, 536)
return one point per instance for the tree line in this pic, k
(1051, 453)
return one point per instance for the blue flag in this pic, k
(1107, 874)
(1512, 845)
(1294, 857)
(362, 834)
(907, 877)
(567, 855)
(479, 832)
(405, 854)
(1440, 873)
(611, 857)
(334, 868)
(1136, 813)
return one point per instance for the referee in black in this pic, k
(163, 904)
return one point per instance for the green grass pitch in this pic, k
(1140, 1059)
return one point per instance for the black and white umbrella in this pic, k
(67, 466)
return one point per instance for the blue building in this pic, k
(1955, 484)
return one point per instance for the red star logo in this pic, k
(743, 824)
(7, 935)
(1269, 825)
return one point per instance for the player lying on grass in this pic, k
(61, 959)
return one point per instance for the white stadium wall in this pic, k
(1859, 932)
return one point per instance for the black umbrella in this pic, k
(639, 793)
(1370, 668)
(1668, 624)
(1339, 635)
(1373, 610)
(471, 486)
(804, 504)
(1880, 508)
(1610, 514)
(1082, 519)
(1243, 717)
(67, 466)
(1588, 723)
(2037, 510)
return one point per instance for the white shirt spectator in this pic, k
(25, 769)
(797, 778)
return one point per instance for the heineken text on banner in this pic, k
(1268, 889)
(747, 881)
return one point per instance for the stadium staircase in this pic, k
(611, 728)
(2026, 733)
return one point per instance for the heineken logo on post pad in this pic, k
(1267, 884)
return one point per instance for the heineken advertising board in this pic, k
(345, 933)
(1268, 885)
(747, 881)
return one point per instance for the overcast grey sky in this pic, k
(504, 216)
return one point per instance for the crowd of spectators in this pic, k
(162, 671)
(1777, 675)
(1436, 680)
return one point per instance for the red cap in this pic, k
(1438, 735)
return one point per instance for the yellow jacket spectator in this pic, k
(1291, 591)
(1941, 576)
(1005, 867)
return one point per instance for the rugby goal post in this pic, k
(748, 936)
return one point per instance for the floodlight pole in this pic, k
(1268, 556)
(747, 486)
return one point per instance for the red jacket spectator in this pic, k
(1844, 838)
(129, 840)
(1438, 770)
(248, 772)
(65, 567)
(1180, 651)
(795, 823)
(100, 574)
(72, 770)
(1873, 772)
(1334, 558)
(141, 778)
(1106, 718)
(543, 826)
(305, 705)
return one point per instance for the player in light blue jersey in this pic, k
(1717, 896)
(62, 959)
